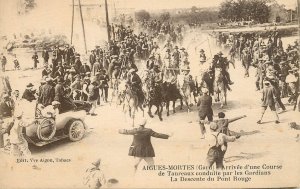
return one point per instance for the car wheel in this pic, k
(76, 130)
(46, 129)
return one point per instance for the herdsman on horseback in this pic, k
(186, 85)
(135, 84)
(154, 90)
(223, 64)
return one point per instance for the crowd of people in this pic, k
(274, 65)
(68, 76)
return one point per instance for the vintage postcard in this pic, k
(149, 94)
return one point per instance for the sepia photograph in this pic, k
(149, 94)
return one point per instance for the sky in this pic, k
(56, 14)
(169, 4)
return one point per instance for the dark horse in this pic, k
(154, 97)
(170, 92)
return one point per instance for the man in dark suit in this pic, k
(28, 94)
(141, 147)
(204, 109)
(6, 107)
(85, 68)
(92, 58)
(45, 56)
(35, 59)
(47, 93)
(59, 72)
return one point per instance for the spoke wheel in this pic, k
(76, 130)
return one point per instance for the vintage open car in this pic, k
(68, 124)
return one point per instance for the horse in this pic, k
(154, 97)
(220, 88)
(170, 92)
(186, 88)
(129, 99)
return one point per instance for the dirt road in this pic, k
(268, 143)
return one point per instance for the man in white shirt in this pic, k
(216, 146)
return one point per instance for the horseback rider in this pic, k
(176, 57)
(223, 64)
(184, 79)
(135, 84)
(150, 62)
(156, 75)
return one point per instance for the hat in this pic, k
(266, 82)
(30, 85)
(72, 70)
(182, 48)
(168, 50)
(282, 62)
(55, 103)
(220, 53)
(204, 90)
(132, 70)
(87, 73)
(49, 79)
(18, 112)
(213, 126)
(97, 163)
(86, 78)
(77, 55)
(142, 121)
(176, 47)
(201, 50)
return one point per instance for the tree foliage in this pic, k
(165, 16)
(245, 10)
(142, 15)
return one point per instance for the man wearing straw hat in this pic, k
(141, 147)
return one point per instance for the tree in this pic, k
(142, 15)
(239, 10)
(29, 5)
(165, 16)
